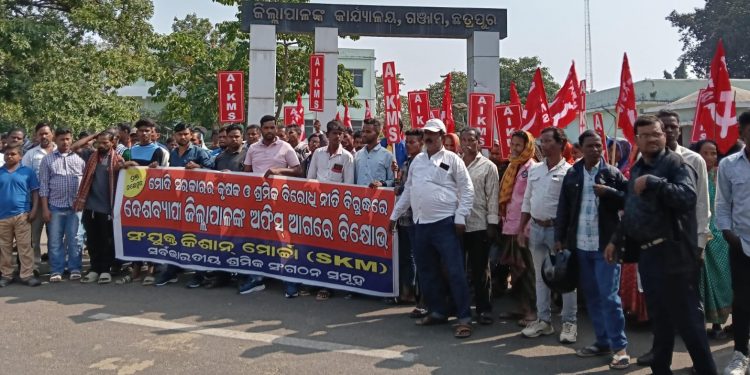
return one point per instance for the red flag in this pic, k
(419, 108)
(566, 105)
(317, 77)
(338, 118)
(599, 129)
(368, 111)
(507, 121)
(301, 116)
(482, 116)
(703, 118)
(231, 96)
(536, 114)
(450, 125)
(514, 98)
(435, 113)
(347, 118)
(721, 105)
(625, 108)
(391, 128)
(290, 115)
(582, 112)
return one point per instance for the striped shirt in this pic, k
(59, 177)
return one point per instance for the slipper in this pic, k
(148, 280)
(431, 320)
(90, 277)
(418, 313)
(124, 280)
(620, 362)
(323, 295)
(461, 331)
(485, 319)
(104, 278)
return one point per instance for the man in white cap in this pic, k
(440, 193)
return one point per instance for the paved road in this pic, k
(71, 328)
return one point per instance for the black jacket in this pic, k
(569, 206)
(666, 209)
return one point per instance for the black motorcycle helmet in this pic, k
(560, 271)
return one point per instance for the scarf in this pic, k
(509, 177)
(88, 178)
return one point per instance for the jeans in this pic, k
(406, 268)
(600, 283)
(541, 243)
(100, 240)
(675, 304)
(477, 248)
(436, 245)
(64, 241)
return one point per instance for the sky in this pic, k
(550, 29)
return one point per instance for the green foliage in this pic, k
(668, 75)
(680, 72)
(701, 30)
(62, 60)
(521, 72)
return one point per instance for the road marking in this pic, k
(260, 337)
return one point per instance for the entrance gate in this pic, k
(482, 28)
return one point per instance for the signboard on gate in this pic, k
(231, 96)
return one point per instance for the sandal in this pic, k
(323, 295)
(431, 320)
(485, 319)
(56, 278)
(620, 362)
(418, 313)
(148, 280)
(127, 279)
(104, 278)
(461, 331)
(91, 277)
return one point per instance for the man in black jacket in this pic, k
(592, 194)
(659, 222)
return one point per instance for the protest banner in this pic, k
(231, 96)
(419, 108)
(435, 113)
(316, 82)
(482, 116)
(292, 116)
(391, 129)
(329, 235)
(507, 120)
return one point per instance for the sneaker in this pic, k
(165, 278)
(538, 328)
(569, 333)
(252, 286)
(31, 281)
(5, 282)
(738, 365)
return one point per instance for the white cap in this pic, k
(434, 125)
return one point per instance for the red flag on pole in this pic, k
(599, 129)
(301, 115)
(338, 118)
(536, 114)
(725, 130)
(391, 129)
(316, 82)
(482, 116)
(368, 111)
(435, 113)
(507, 121)
(419, 108)
(566, 105)
(450, 125)
(703, 118)
(514, 98)
(347, 118)
(582, 112)
(231, 96)
(625, 108)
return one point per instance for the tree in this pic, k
(458, 94)
(680, 72)
(521, 71)
(668, 75)
(701, 30)
(61, 61)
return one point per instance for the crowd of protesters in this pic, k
(658, 232)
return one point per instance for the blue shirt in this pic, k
(372, 166)
(399, 149)
(732, 197)
(194, 154)
(588, 218)
(15, 191)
